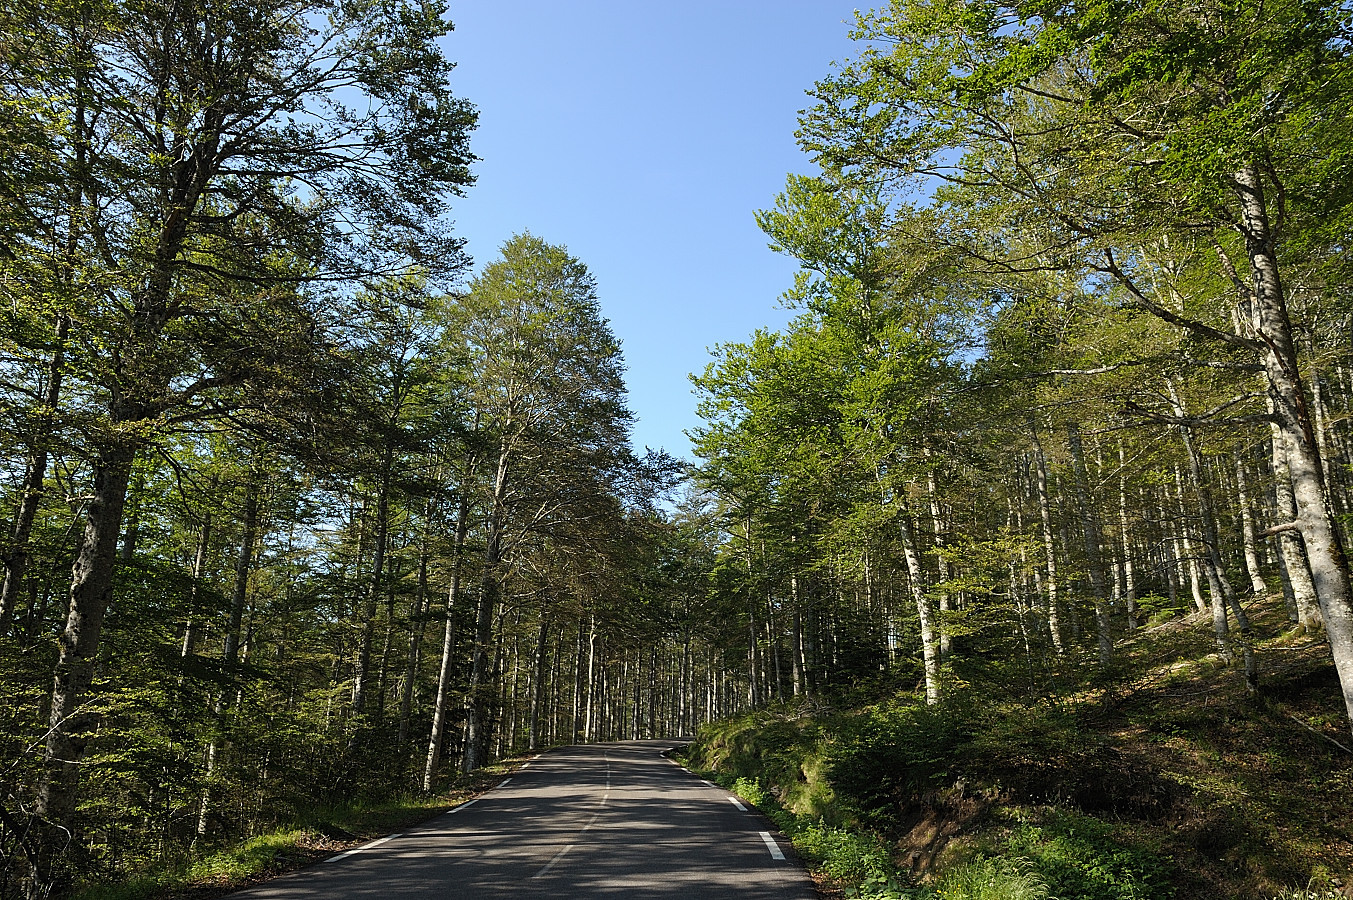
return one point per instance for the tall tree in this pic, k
(548, 397)
(233, 154)
(1153, 123)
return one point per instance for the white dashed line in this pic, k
(503, 783)
(774, 848)
(734, 801)
(550, 865)
(463, 805)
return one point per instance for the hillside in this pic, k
(1171, 783)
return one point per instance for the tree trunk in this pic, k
(1290, 547)
(439, 706)
(1125, 537)
(70, 723)
(1315, 519)
(418, 629)
(538, 681)
(479, 694)
(1049, 546)
(35, 478)
(231, 653)
(1185, 541)
(1247, 532)
(588, 721)
(941, 564)
(930, 655)
(373, 589)
(191, 626)
(1091, 535)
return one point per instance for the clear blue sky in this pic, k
(643, 136)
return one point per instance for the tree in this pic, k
(548, 401)
(229, 155)
(1086, 134)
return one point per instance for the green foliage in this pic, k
(849, 856)
(898, 751)
(750, 790)
(1081, 859)
(985, 878)
(1156, 609)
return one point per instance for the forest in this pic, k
(300, 510)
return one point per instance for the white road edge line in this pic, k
(463, 805)
(774, 848)
(363, 847)
(734, 801)
(550, 865)
(503, 782)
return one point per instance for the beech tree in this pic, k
(221, 159)
(1119, 132)
(548, 398)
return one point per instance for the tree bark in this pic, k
(1090, 533)
(538, 666)
(478, 695)
(373, 589)
(70, 724)
(1315, 519)
(1049, 546)
(1125, 539)
(1190, 553)
(1290, 547)
(35, 478)
(1247, 532)
(419, 626)
(439, 706)
(231, 653)
(930, 655)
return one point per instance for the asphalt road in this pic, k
(596, 821)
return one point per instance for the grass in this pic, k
(316, 834)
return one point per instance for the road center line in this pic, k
(774, 848)
(550, 865)
(734, 801)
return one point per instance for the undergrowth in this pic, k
(1172, 785)
(314, 834)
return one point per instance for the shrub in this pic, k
(1080, 860)
(986, 878)
(899, 751)
(846, 856)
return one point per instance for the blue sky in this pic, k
(643, 136)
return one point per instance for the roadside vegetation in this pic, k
(1173, 783)
(305, 837)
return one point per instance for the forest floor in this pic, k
(316, 836)
(1172, 781)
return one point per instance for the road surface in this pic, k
(597, 821)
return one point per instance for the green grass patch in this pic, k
(314, 834)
